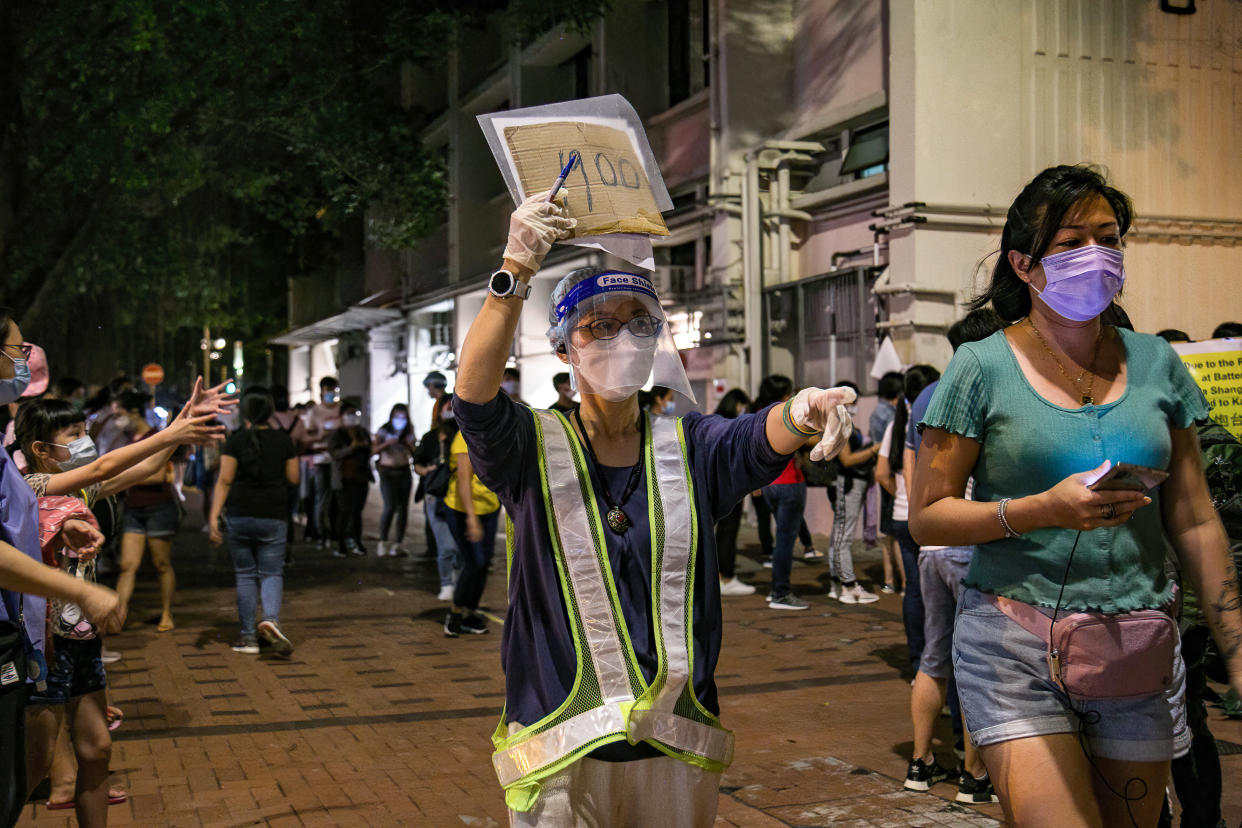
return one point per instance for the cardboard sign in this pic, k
(1216, 365)
(607, 191)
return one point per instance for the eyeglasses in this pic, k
(608, 328)
(25, 348)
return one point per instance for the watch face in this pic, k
(502, 283)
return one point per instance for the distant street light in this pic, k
(220, 343)
(215, 354)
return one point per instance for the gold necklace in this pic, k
(1088, 397)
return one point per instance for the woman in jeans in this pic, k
(731, 405)
(786, 498)
(850, 487)
(888, 474)
(394, 443)
(350, 447)
(257, 467)
(1035, 413)
(433, 451)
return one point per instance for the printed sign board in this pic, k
(1216, 365)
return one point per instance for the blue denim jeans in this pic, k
(447, 557)
(787, 502)
(912, 612)
(258, 546)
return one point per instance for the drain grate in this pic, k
(1228, 748)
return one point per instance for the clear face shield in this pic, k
(617, 338)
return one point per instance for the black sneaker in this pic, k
(976, 791)
(246, 646)
(474, 624)
(920, 776)
(452, 625)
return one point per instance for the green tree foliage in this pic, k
(178, 159)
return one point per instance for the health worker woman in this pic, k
(1065, 654)
(613, 627)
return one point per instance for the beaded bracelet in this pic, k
(791, 425)
(1000, 513)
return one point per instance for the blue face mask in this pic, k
(11, 390)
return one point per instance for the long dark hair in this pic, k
(39, 420)
(917, 378)
(774, 388)
(256, 409)
(730, 404)
(1033, 220)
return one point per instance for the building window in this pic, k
(689, 48)
(867, 154)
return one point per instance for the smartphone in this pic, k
(1129, 477)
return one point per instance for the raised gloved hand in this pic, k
(823, 410)
(533, 227)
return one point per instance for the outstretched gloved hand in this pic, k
(823, 410)
(533, 227)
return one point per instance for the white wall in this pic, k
(986, 93)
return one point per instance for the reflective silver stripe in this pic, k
(553, 744)
(670, 474)
(684, 734)
(585, 573)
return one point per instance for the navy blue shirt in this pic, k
(728, 460)
(918, 409)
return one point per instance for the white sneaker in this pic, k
(381, 549)
(446, 593)
(834, 592)
(857, 595)
(735, 587)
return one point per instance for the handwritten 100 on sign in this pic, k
(607, 191)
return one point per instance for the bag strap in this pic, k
(1024, 615)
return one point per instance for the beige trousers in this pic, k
(650, 793)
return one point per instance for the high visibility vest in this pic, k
(610, 700)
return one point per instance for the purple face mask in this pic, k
(1082, 282)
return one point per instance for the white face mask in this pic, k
(351, 420)
(670, 407)
(509, 387)
(615, 368)
(82, 452)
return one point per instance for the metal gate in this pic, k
(822, 330)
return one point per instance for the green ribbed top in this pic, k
(1028, 445)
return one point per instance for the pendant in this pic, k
(1087, 399)
(617, 521)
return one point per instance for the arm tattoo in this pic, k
(1228, 601)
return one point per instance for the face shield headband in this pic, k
(612, 281)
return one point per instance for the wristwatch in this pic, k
(504, 284)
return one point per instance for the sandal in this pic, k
(115, 797)
(166, 627)
(114, 716)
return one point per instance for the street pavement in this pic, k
(377, 719)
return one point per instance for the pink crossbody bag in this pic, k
(1092, 655)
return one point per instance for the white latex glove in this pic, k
(533, 227)
(823, 409)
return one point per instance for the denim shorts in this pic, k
(75, 670)
(159, 521)
(940, 581)
(1006, 693)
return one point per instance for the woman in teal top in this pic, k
(1032, 414)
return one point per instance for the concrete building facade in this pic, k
(840, 171)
